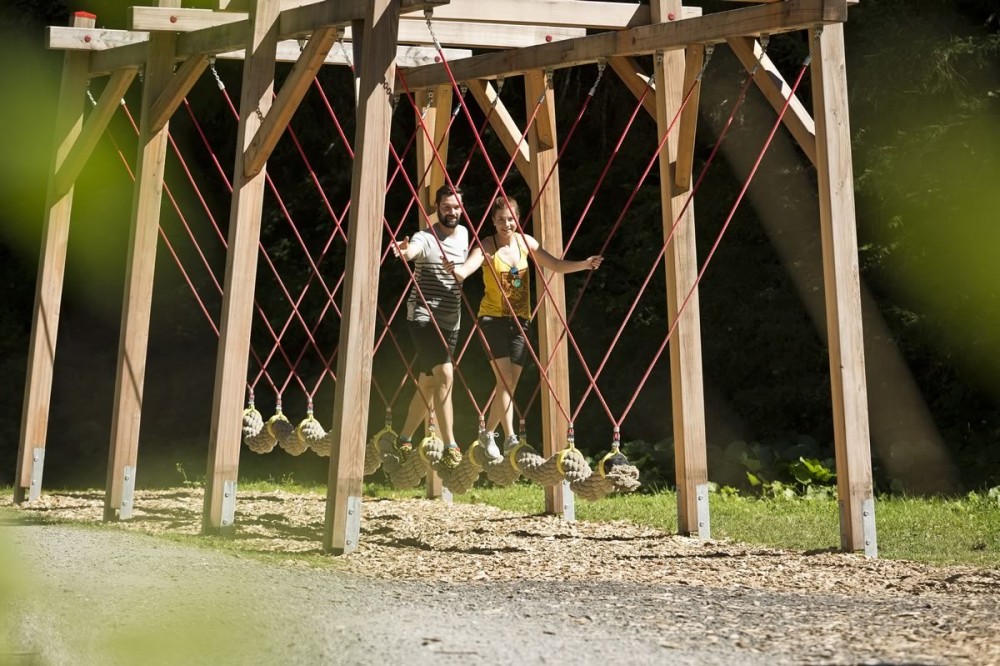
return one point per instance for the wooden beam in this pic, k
(175, 91)
(552, 345)
(137, 301)
(436, 108)
(636, 80)
(776, 90)
(51, 272)
(289, 97)
(256, 94)
(713, 28)
(681, 262)
(555, 13)
(591, 15)
(91, 39)
(405, 5)
(117, 49)
(503, 124)
(483, 35)
(843, 292)
(435, 105)
(688, 124)
(360, 301)
(93, 129)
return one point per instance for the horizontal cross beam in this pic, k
(778, 17)
(118, 49)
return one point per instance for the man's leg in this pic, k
(420, 406)
(443, 381)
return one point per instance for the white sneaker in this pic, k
(511, 442)
(490, 446)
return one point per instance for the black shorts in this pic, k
(504, 338)
(431, 350)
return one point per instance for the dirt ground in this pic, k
(718, 602)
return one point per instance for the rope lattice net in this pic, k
(302, 273)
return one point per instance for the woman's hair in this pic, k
(501, 204)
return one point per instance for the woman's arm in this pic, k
(471, 265)
(546, 260)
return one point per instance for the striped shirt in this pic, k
(440, 290)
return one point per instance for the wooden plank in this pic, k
(51, 272)
(256, 93)
(140, 268)
(503, 124)
(360, 300)
(289, 97)
(556, 13)
(118, 49)
(687, 126)
(681, 261)
(776, 90)
(307, 18)
(713, 28)
(552, 345)
(93, 129)
(175, 91)
(593, 15)
(483, 35)
(111, 60)
(636, 80)
(842, 288)
(90, 39)
(178, 20)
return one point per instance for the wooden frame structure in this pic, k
(174, 44)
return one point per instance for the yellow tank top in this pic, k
(515, 286)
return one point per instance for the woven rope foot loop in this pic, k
(253, 423)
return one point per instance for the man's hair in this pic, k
(447, 191)
(501, 204)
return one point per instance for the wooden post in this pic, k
(843, 291)
(51, 271)
(542, 153)
(134, 335)
(357, 331)
(431, 176)
(681, 259)
(241, 275)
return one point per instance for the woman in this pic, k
(506, 304)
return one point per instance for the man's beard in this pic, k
(450, 221)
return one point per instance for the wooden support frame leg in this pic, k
(429, 177)
(357, 332)
(51, 272)
(241, 275)
(137, 302)
(843, 292)
(681, 261)
(547, 220)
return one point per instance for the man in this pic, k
(434, 314)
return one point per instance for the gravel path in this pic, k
(432, 585)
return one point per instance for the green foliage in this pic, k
(785, 470)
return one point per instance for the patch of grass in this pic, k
(933, 530)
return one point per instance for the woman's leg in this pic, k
(506, 374)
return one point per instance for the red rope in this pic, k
(725, 226)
